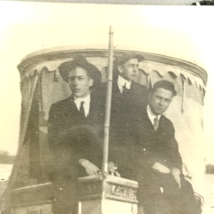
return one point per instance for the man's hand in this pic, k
(90, 168)
(176, 174)
(113, 169)
(161, 168)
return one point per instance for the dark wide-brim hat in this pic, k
(80, 61)
(125, 56)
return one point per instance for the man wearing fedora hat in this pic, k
(128, 98)
(74, 128)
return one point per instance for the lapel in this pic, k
(117, 97)
(95, 107)
(147, 121)
(148, 124)
(72, 109)
(71, 105)
(161, 128)
(132, 88)
(115, 87)
(132, 94)
(92, 108)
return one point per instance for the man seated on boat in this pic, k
(75, 127)
(162, 187)
(128, 99)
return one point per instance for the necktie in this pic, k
(156, 123)
(125, 90)
(82, 111)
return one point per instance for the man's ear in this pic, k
(120, 68)
(66, 80)
(91, 82)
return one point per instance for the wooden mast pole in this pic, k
(108, 103)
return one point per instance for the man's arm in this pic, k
(161, 168)
(90, 168)
(173, 158)
(174, 155)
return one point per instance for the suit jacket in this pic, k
(160, 146)
(125, 109)
(72, 137)
(155, 146)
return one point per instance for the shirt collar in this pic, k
(86, 99)
(121, 82)
(151, 115)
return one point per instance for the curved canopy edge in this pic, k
(30, 61)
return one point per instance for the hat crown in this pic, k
(125, 56)
(80, 60)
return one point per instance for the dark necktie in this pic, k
(82, 111)
(156, 123)
(125, 90)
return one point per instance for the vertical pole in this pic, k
(184, 93)
(108, 103)
(40, 92)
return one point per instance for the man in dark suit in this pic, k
(128, 98)
(75, 127)
(162, 187)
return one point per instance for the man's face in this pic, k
(129, 70)
(159, 100)
(79, 82)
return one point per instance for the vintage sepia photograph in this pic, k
(106, 109)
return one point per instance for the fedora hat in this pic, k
(80, 61)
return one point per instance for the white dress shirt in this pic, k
(121, 82)
(151, 115)
(86, 104)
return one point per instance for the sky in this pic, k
(182, 32)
